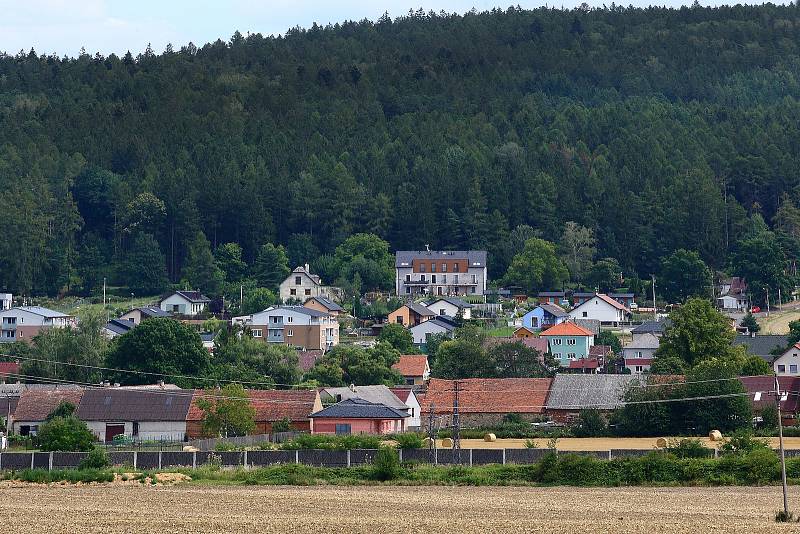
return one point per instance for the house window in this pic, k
(474, 279)
(176, 308)
(422, 267)
(433, 267)
(308, 291)
(289, 319)
(455, 267)
(343, 429)
(422, 278)
(293, 292)
(570, 342)
(408, 278)
(444, 278)
(570, 355)
(442, 311)
(433, 278)
(585, 314)
(399, 319)
(408, 290)
(444, 267)
(793, 369)
(472, 290)
(638, 354)
(298, 280)
(409, 381)
(455, 279)
(21, 334)
(289, 333)
(556, 341)
(781, 368)
(256, 332)
(638, 368)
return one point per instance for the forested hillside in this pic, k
(658, 129)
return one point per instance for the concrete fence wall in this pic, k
(142, 460)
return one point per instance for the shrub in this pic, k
(96, 459)
(322, 441)
(282, 425)
(65, 434)
(590, 425)
(386, 465)
(742, 441)
(769, 416)
(225, 446)
(409, 440)
(513, 418)
(689, 448)
(531, 444)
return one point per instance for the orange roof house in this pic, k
(414, 368)
(487, 400)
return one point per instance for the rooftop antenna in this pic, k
(427, 247)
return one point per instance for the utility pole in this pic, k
(767, 302)
(783, 456)
(780, 300)
(456, 424)
(655, 311)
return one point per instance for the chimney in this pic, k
(308, 269)
(353, 388)
(161, 384)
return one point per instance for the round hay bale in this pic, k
(490, 437)
(447, 443)
(189, 448)
(715, 435)
(426, 443)
(661, 443)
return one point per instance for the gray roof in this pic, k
(575, 392)
(552, 309)
(119, 326)
(552, 293)
(192, 296)
(458, 303)
(378, 394)
(114, 404)
(357, 408)
(644, 341)
(621, 295)
(592, 325)
(39, 310)
(652, 327)
(475, 258)
(441, 320)
(328, 303)
(300, 309)
(420, 309)
(152, 311)
(762, 345)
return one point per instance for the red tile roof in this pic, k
(766, 383)
(411, 365)
(36, 405)
(270, 404)
(526, 329)
(600, 350)
(567, 328)
(638, 361)
(584, 363)
(613, 302)
(488, 395)
(7, 368)
(401, 393)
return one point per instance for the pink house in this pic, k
(358, 416)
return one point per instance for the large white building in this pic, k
(440, 273)
(24, 322)
(296, 326)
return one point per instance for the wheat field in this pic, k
(196, 509)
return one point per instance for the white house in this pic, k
(788, 363)
(6, 301)
(24, 322)
(409, 398)
(639, 353)
(601, 308)
(422, 331)
(450, 306)
(733, 302)
(137, 413)
(189, 303)
(296, 326)
(301, 285)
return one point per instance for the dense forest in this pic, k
(653, 129)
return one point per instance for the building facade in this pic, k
(302, 285)
(189, 303)
(568, 341)
(601, 308)
(295, 326)
(440, 273)
(24, 322)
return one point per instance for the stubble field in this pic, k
(190, 508)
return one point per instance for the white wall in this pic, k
(788, 359)
(419, 332)
(184, 306)
(598, 309)
(449, 309)
(148, 430)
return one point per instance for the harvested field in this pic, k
(188, 508)
(597, 444)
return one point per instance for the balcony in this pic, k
(439, 282)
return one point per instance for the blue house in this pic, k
(544, 316)
(568, 341)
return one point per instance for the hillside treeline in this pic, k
(657, 129)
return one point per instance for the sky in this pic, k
(116, 26)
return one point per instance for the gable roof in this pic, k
(488, 395)
(644, 341)
(119, 326)
(39, 310)
(553, 309)
(475, 258)
(618, 305)
(411, 365)
(652, 327)
(439, 321)
(151, 311)
(379, 394)
(328, 304)
(301, 269)
(298, 309)
(404, 394)
(523, 327)
(552, 293)
(36, 404)
(762, 345)
(115, 404)
(584, 363)
(578, 391)
(192, 296)
(600, 350)
(269, 404)
(419, 309)
(7, 368)
(356, 408)
(458, 303)
(567, 328)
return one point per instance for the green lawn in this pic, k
(502, 331)
(77, 305)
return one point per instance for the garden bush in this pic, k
(386, 465)
(321, 441)
(65, 434)
(409, 440)
(689, 448)
(96, 459)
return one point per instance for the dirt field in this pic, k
(596, 444)
(392, 509)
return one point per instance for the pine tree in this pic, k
(200, 270)
(143, 267)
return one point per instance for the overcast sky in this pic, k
(106, 26)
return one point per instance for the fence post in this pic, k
(194, 460)
(716, 453)
(348, 457)
(1, 460)
(135, 458)
(296, 456)
(33, 455)
(245, 459)
(50, 462)
(400, 455)
(159, 459)
(504, 456)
